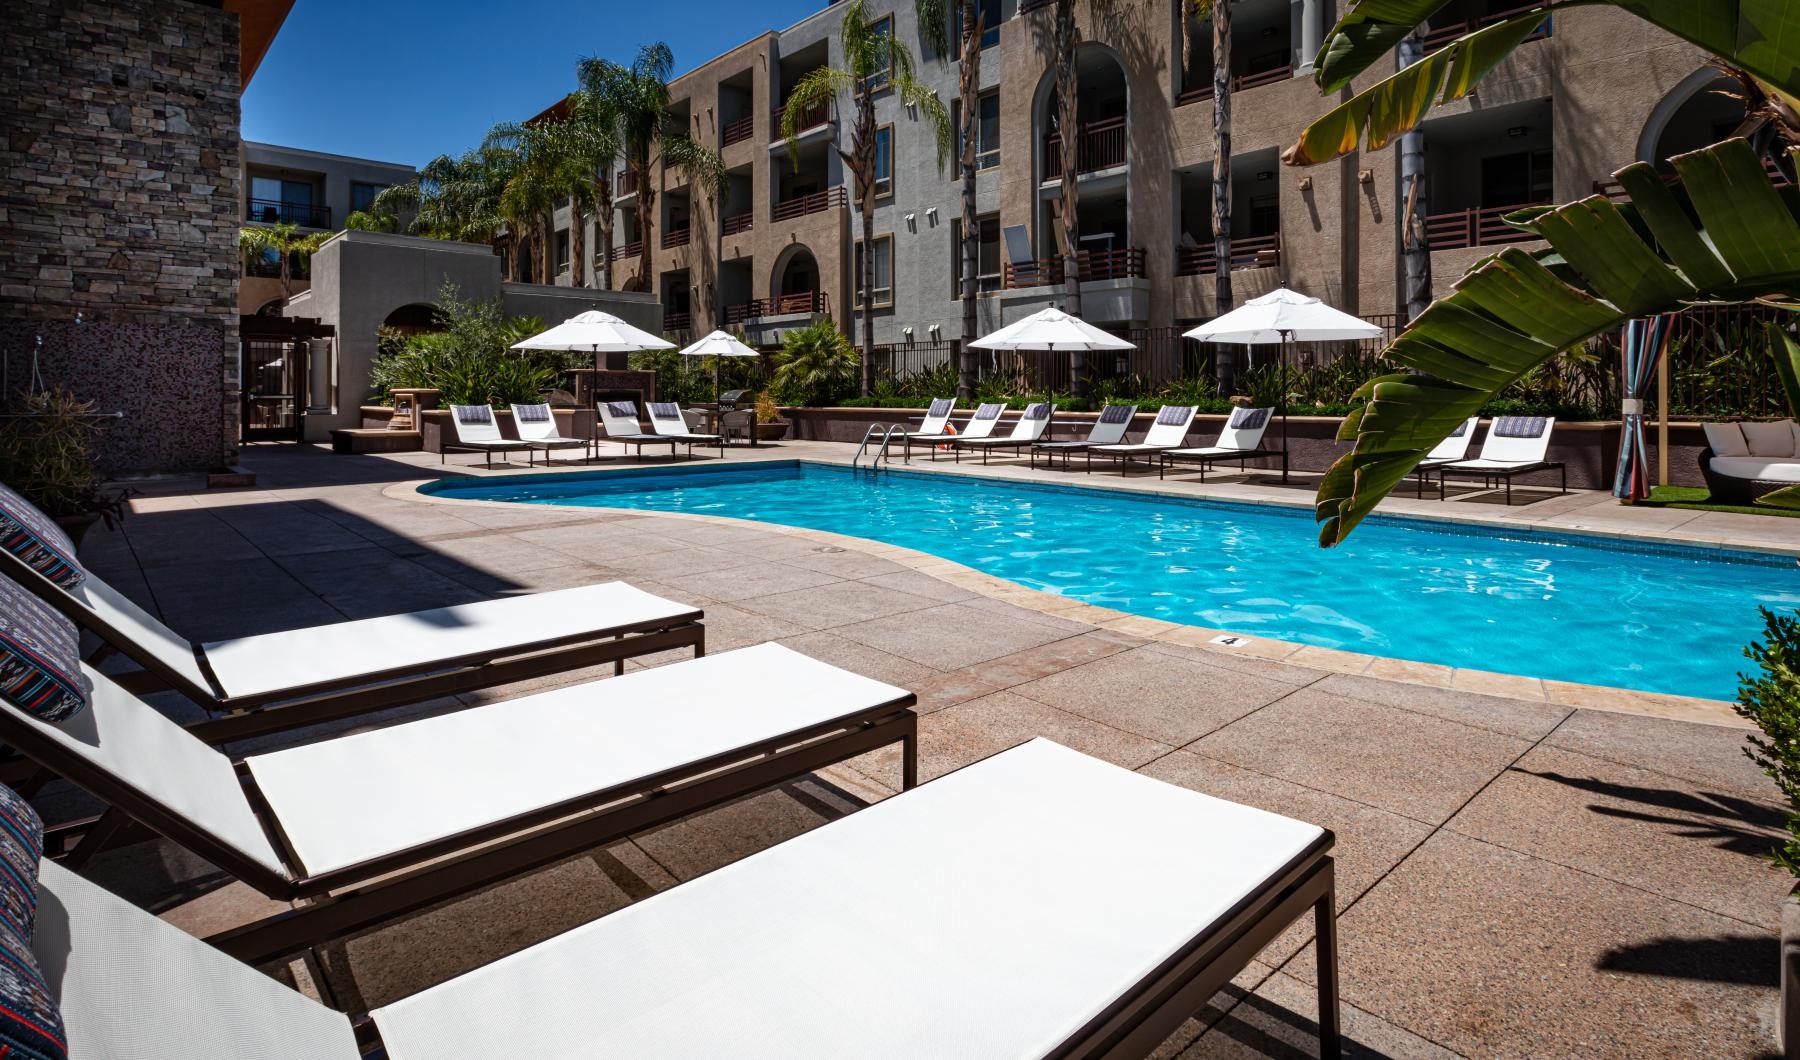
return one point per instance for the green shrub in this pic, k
(471, 360)
(47, 454)
(816, 365)
(1771, 700)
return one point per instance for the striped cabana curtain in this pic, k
(1642, 346)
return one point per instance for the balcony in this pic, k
(628, 250)
(677, 237)
(743, 311)
(1091, 266)
(627, 184)
(817, 202)
(1250, 252)
(1238, 84)
(1615, 191)
(738, 131)
(1473, 228)
(780, 305)
(274, 211)
(673, 321)
(808, 121)
(1101, 145)
(1442, 35)
(738, 223)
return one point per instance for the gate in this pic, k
(274, 377)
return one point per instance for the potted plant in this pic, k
(770, 427)
(47, 454)
(1771, 700)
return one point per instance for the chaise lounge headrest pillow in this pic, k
(531, 413)
(34, 537)
(40, 657)
(1248, 419)
(1115, 414)
(1519, 426)
(31, 1025)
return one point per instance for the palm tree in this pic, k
(935, 20)
(453, 197)
(545, 176)
(1415, 247)
(1219, 11)
(286, 243)
(873, 62)
(638, 95)
(1068, 122)
(594, 125)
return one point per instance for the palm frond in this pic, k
(702, 165)
(934, 24)
(914, 94)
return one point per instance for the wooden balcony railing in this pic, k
(743, 311)
(274, 211)
(676, 237)
(811, 119)
(673, 321)
(738, 131)
(1248, 252)
(1091, 265)
(1101, 145)
(1615, 191)
(628, 250)
(627, 184)
(736, 223)
(1442, 35)
(799, 302)
(1238, 84)
(817, 202)
(1473, 228)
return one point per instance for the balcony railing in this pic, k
(817, 202)
(1238, 84)
(738, 131)
(1101, 145)
(1091, 266)
(673, 321)
(1473, 228)
(274, 211)
(628, 250)
(1615, 191)
(1442, 35)
(676, 237)
(1248, 252)
(811, 119)
(780, 305)
(738, 223)
(627, 184)
(738, 314)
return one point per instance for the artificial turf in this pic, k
(1694, 498)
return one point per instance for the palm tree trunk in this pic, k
(865, 198)
(1068, 112)
(578, 267)
(604, 216)
(646, 228)
(546, 228)
(1415, 248)
(1225, 367)
(969, 87)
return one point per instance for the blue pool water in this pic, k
(1642, 616)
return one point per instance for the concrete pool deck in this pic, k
(1516, 876)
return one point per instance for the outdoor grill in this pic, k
(732, 400)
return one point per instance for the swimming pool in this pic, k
(1657, 618)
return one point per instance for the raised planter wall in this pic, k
(439, 424)
(1590, 449)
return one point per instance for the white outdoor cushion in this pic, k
(273, 662)
(1726, 439)
(343, 801)
(1760, 468)
(1770, 439)
(990, 913)
(1456, 446)
(131, 986)
(1206, 450)
(157, 640)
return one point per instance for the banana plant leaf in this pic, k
(1722, 232)
(1759, 36)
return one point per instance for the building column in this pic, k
(1308, 28)
(318, 371)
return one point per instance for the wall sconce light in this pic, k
(934, 329)
(1305, 183)
(1365, 176)
(1517, 131)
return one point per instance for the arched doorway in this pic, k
(1102, 155)
(794, 288)
(416, 319)
(1702, 110)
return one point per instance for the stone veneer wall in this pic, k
(119, 171)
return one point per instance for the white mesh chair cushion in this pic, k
(1515, 440)
(937, 416)
(1245, 429)
(1770, 439)
(156, 640)
(1110, 428)
(666, 420)
(299, 658)
(620, 419)
(1032, 424)
(1456, 446)
(1726, 439)
(1170, 428)
(343, 801)
(982, 424)
(475, 424)
(131, 986)
(1757, 468)
(990, 913)
(536, 423)
(128, 739)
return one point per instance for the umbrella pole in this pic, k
(1285, 460)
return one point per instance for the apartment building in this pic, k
(1597, 90)
(311, 189)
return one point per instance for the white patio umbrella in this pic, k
(1283, 316)
(718, 344)
(594, 332)
(1050, 331)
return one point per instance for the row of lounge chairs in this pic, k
(478, 430)
(948, 920)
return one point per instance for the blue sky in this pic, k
(405, 80)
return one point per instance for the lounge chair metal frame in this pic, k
(1050, 449)
(1490, 476)
(546, 439)
(1017, 440)
(638, 439)
(343, 901)
(1205, 461)
(1124, 453)
(934, 442)
(242, 717)
(503, 446)
(1527, 452)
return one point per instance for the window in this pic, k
(362, 196)
(1517, 179)
(1265, 215)
(883, 265)
(562, 249)
(987, 128)
(882, 28)
(884, 161)
(987, 255)
(991, 17)
(277, 201)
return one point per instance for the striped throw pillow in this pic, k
(40, 652)
(31, 1025)
(34, 537)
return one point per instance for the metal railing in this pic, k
(1439, 36)
(628, 250)
(676, 237)
(275, 211)
(738, 131)
(1091, 266)
(677, 321)
(817, 202)
(1473, 228)
(737, 223)
(886, 432)
(807, 120)
(1099, 145)
(1247, 252)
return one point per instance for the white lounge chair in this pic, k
(937, 418)
(1515, 445)
(1451, 450)
(478, 431)
(537, 429)
(667, 421)
(1028, 431)
(980, 425)
(953, 920)
(366, 827)
(1240, 440)
(620, 421)
(1168, 432)
(274, 682)
(1108, 429)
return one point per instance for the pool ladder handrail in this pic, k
(887, 436)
